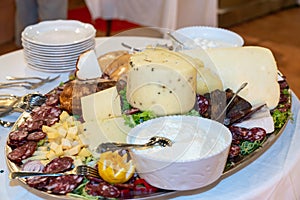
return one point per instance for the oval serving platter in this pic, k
(246, 160)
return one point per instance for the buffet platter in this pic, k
(231, 167)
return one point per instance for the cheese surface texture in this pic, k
(161, 81)
(251, 64)
(103, 118)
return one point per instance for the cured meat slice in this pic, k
(102, 189)
(18, 135)
(22, 152)
(36, 136)
(58, 165)
(63, 184)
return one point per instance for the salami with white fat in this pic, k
(22, 152)
(58, 165)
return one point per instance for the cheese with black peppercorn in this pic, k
(161, 81)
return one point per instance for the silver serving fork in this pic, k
(24, 82)
(82, 170)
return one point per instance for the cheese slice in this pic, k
(103, 118)
(161, 81)
(102, 105)
(100, 131)
(251, 64)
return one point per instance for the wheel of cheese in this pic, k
(161, 81)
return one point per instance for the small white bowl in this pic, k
(210, 37)
(196, 159)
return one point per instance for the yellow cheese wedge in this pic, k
(252, 64)
(161, 81)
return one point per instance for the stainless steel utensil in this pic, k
(24, 103)
(82, 170)
(30, 85)
(161, 141)
(6, 124)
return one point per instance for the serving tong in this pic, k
(26, 83)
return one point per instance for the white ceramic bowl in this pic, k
(211, 37)
(196, 159)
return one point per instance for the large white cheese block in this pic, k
(161, 81)
(251, 64)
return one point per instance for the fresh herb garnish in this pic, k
(248, 147)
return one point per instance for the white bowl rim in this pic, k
(238, 38)
(146, 123)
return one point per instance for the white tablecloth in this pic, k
(171, 14)
(274, 175)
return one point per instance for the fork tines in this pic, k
(87, 171)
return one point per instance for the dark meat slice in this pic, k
(217, 101)
(63, 184)
(238, 107)
(58, 165)
(22, 152)
(18, 135)
(36, 136)
(37, 182)
(34, 124)
(102, 189)
(52, 99)
(14, 143)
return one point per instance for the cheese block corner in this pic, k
(252, 64)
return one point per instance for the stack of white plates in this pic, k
(54, 46)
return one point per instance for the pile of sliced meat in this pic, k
(57, 185)
(23, 141)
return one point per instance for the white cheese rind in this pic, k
(87, 66)
(161, 81)
(251, 64)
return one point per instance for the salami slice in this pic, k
(36, 136)
(17, 135)
(37, 182)
(58, 165)
(22, 152)
(63, 184)
(102, 189)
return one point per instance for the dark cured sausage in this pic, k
(36, 136)
(22, 152)
(102, 189)
(58, 165)
(17, 135)
(63, 184)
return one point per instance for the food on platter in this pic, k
(107, 125)
(87, 66)
(161, 81)
(251, 64)
(70, 97)
(105, 111)
(106, 59)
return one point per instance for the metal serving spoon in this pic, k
(111, 146)
(25, 103)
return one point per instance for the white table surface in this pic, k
(171, 14)
(274, 175)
